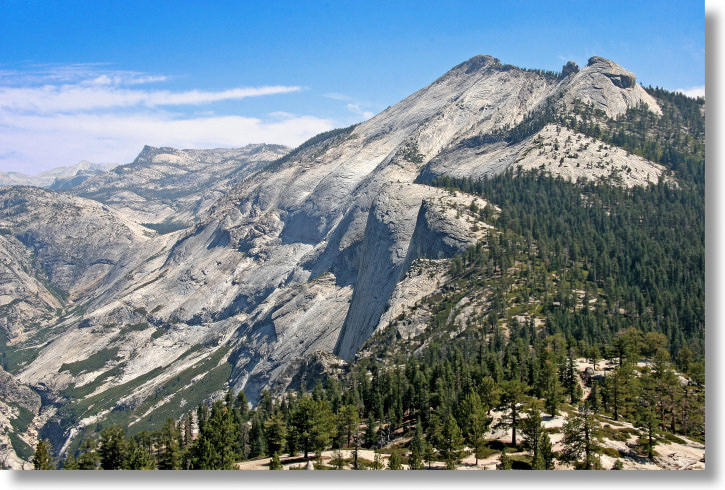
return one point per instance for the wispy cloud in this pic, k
(352, 105)
(75, 73)
(57, 116)
(356, 109)
(693, 91)
(73, 98)
(337, 96)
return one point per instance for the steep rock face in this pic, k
(406, 222)
(289, 326)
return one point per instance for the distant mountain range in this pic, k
(49, 177)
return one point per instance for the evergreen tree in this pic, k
(348, 421)
(475, 422)
(620, 389)
(394, 462)
(137, 457)
(417, 446)
(533, 431)
(377, 461)
(215, 448)
(42, 460)
(168, 446)
(312, 424)
(428, 453)
(242, 405)
(646, 411)
(88, 459)
(581, 432)
(513, 395)
(552, 388)
(188, 435)
(257, 441)
(112, 449)
(505, 462)
(371, 434)
(450, 442)
(70, 462)
(546, 452)
(275, 431)
(338, 461)
(275, 463)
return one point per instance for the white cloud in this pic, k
(337, 96)
(59, 115)
(70, 98)
(75, 73)
(693, 91)
(352, 105)
(357, 109)
(39, 142)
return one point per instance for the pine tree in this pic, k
(646, 411)
(242, 405)
(505, 462)
(312, 425)
(202, 416)
(257, 441)
(620, 387)
(513, 394)
(450, 442)
(275, 431)
(552, 388)
(112, 449)
(428, 453)
(338, 461)
(377, 461)
(215, 448)
(42, 460)
(546, 451)
(475, 422)
(188, 435)
(532, 431)
(169, 450)
(137, 457)
(70, 462)
(348, 421)
(417, 446)
(275, 463)
(593, 397)
(371, 434)
(394, 462)
(571, 381)
(355, 452)
(88, 459)
(581, 432)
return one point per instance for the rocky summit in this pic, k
(133, 294)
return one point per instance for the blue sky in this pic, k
(96, 81)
